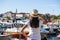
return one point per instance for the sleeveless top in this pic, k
(35, 24)
(35, 32)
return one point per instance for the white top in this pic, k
(36, 32)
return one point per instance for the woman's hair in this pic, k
(34, 21)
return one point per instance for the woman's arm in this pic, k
(22, 31)
(40, 17)
(30, 17)
(23, 28)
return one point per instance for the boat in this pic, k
(15, 32)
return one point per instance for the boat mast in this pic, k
(15, 15)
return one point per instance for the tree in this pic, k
(58, 17)
(7, 17)
(53, 17)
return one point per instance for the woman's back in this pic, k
(35, 34)
(34, 24)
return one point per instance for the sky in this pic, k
(43, 6)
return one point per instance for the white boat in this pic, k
(15, 32)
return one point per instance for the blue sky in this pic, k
(43, 6)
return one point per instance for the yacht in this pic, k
(15, 32)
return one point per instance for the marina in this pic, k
(11, 28)
(47, 31)
(29, 19)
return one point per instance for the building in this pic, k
(18, 15)
(15, 16)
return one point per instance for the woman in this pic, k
(35, 24)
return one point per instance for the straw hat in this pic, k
(34, 11)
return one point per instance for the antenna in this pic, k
(15, 16)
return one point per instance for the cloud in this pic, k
(52, 5)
